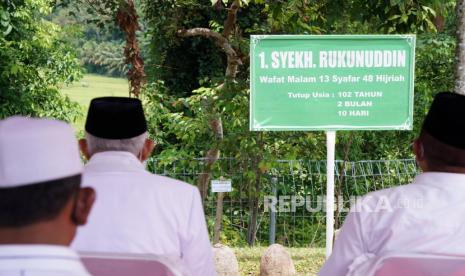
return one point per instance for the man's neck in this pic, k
(40, 233)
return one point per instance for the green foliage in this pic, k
(398, 16)
(229, 233)
(99, 46)
(100, 13)
(295, 17)
(34, 62)
(104, 58)
(182, 65)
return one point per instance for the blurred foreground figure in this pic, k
(41, 202)
(426, 216)
(136, 211)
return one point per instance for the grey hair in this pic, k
(133, 145)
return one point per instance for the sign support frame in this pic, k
(264, 59)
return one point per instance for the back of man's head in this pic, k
(30, 204)
(133, 145)
(116, 124)
(40, 177)
(442, 137)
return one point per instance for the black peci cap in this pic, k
(445, 120)
(115, 118)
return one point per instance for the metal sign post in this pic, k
(330, 155)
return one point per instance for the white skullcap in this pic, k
(36, 150)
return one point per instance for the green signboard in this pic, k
(332, 82)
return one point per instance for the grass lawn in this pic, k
(92, 86)
(307, 261)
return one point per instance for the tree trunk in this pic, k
(254, 195)
(127, 20)
(340, 181)
(218, 218)
(212, 156)
(204, 178)
(254, 200)
(439, 23)
(253, 219)
(460, 50)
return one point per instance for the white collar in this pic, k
(114, 161)
(443, 179)
(49, 257)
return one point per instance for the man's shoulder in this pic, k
(142, 178)
(390, 199)
(391, 191)
(171, 182)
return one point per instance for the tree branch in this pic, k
(222, 42)
(231, 19)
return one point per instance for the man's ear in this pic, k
(149, 145)
(84, 201)
(418, 150)
(84, 149)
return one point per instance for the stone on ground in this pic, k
(276, 261)
(225, 261)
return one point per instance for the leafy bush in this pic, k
(34, 62)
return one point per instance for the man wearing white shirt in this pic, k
(41, 201)
(426, 216)
(136, 211)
